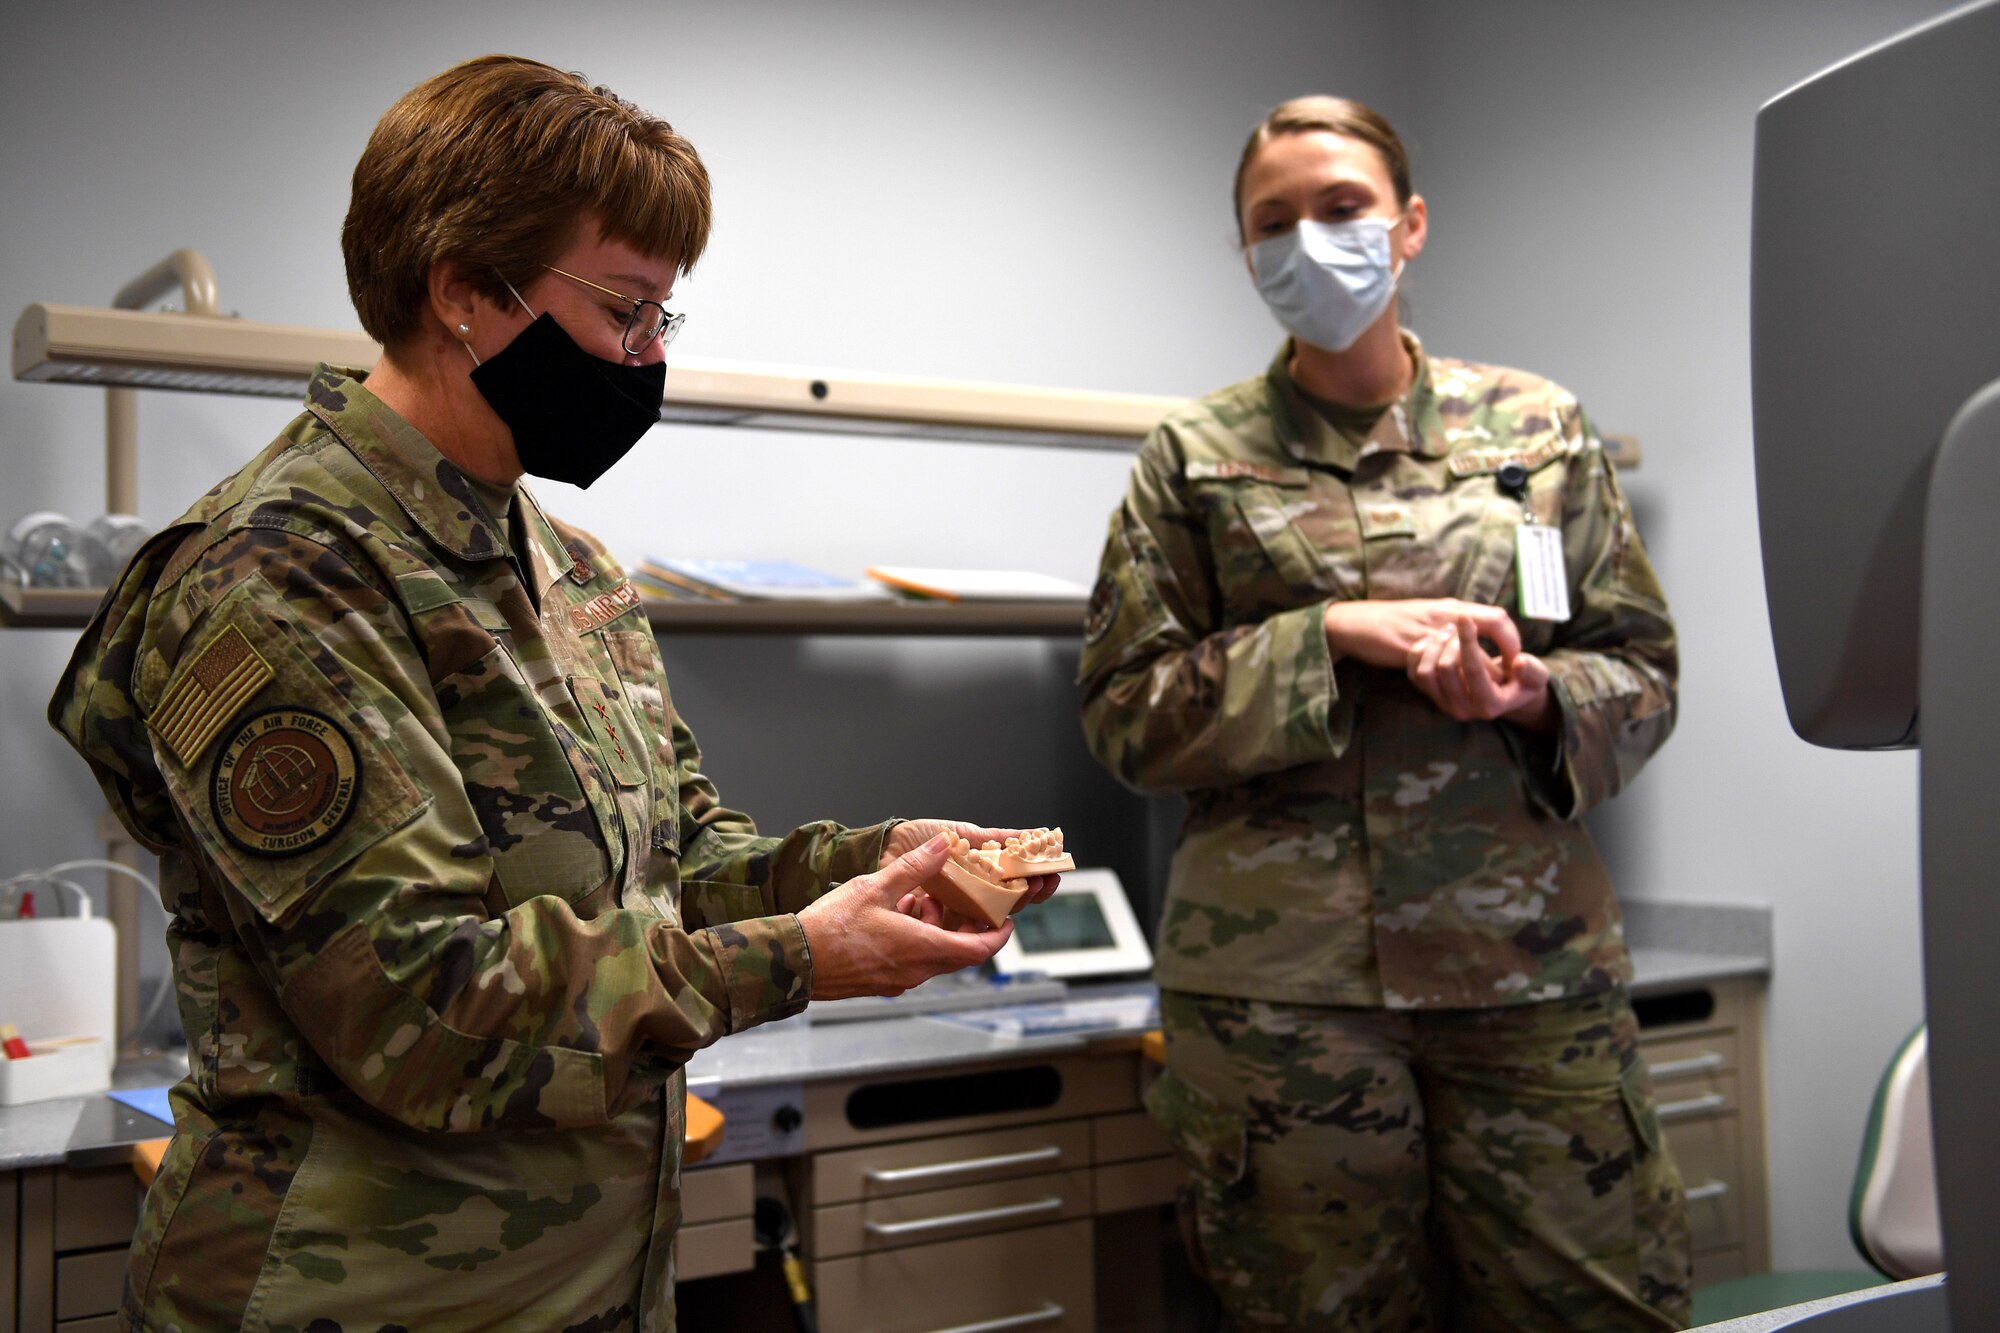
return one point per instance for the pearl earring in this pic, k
(465, 330)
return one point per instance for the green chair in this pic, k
(1891, 1214)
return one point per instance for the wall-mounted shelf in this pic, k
(71, 608)
(46, 608)
(883, 618)
(209, 353)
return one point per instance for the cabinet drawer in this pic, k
(715, 1193)
(1696, 1097)
(88, 1284)
(1142, 1184)
(917, 1165)
(1704, 1053)
(1127, 1137)
(915, 1219)
(96, 1207)
(714, 1248)
(1038, 1279)
(880, 1109)
(1707, 1150)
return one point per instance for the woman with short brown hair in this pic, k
(452, 902)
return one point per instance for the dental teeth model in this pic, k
(986, 883)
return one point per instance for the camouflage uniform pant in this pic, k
(1364, 1169)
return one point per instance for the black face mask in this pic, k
(573, 414)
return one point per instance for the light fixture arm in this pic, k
(191, 271)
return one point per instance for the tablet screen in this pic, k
(1066, 921)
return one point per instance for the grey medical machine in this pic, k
(1875, 345)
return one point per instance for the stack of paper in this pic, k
(980, 585)
(664, 585)
(756, 580)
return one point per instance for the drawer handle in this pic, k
(1713, 1189)
(922, 1224)
(1708, 1101)
(1048, 1314)
(896, 1174)
(1693, 1065)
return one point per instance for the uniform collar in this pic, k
(548, 558)
(1410, 426)
(432, 489)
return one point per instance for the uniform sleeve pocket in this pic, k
(1635, 1089)
(1209, 1138)
(1125, 609)
(288, 778)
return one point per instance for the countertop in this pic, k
(1657, 970)
(1695, 944)
(91, 1130)
(800, 1050)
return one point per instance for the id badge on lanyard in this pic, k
(1540, 577)
(1539, 573)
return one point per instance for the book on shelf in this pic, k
(759, 580)
(979, 585)
(664, 585)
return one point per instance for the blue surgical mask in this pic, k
(1326, 282)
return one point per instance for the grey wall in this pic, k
(1034, 193)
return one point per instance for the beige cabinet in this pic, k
(1022, 1194)
(66, 1234)
(10, 1248)
(974, 1211)
(716, 1235)
(1705, 1048)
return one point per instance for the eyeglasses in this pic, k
(649, 319)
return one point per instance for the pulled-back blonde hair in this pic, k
(495, 163)
(1303, 115)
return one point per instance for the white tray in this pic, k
(56, 1067)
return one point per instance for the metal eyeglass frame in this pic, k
(664, 326)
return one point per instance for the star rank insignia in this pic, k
(619, 742)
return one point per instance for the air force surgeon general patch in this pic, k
(286, 782)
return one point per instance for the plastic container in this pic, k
(56, 1067)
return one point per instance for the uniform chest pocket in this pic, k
(636, 659)
(1482, 527)
(1281, 546)
(530, 782)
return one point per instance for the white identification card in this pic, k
(1539, 572)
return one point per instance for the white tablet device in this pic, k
(1085, 930)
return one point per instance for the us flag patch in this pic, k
(221, 678)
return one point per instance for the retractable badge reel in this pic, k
(1540, 577)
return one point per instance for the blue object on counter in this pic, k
(146, 1101)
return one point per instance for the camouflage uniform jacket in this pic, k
(1346, 842)
(451, 900)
